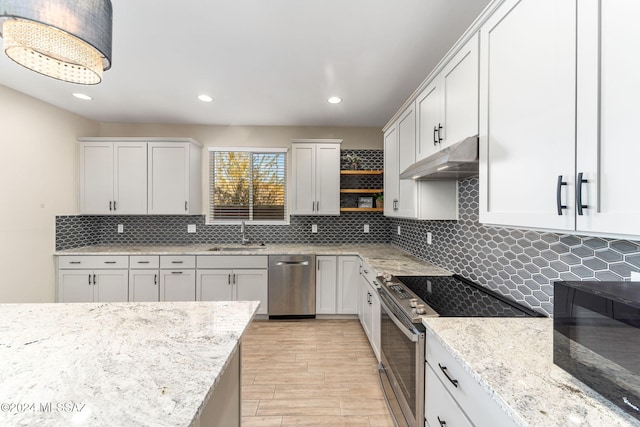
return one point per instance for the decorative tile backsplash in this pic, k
(76, 231)
(522, 264)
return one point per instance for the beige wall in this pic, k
(38, 181)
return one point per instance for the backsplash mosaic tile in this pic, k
(522, 264)
(172, 230)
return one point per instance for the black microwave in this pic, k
(596, 338)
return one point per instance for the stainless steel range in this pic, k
(405, 301)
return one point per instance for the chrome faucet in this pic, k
(243, 235)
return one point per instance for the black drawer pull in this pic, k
(446, 374)
(109, 262)
(143, 262)
(581, 181)
(176, 272)
(74, 262)
(177, 262)
(442, 423)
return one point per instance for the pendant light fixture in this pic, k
(64, 39)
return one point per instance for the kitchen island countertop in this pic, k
(106, 364)
(383, 258)
(512, 359)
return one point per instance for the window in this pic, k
(248, 184)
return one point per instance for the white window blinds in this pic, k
(248, 185)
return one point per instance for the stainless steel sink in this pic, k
(236, 248)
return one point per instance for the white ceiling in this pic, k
(265, 62)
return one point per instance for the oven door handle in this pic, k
(414, 337)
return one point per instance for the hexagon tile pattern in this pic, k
(521, 264)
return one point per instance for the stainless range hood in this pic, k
(457, 161)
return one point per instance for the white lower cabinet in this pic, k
(453, 396)
(369, 307)
(177, 278)
(245, 278)
(337, 284)
(92, 279)
(144, 278)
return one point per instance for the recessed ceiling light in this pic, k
(334, 100)
(205, 98)
(82, 96)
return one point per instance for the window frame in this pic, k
(210, 190)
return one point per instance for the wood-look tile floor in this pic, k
(310, 373)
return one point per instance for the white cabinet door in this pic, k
(391, 172)
(607, 154)
(215, 285)
(326, 275)
(111, 286)
(407, 188)
(75, 286)
(177, 285)
(348, 277)
(303, 184)
(527, 113)
(95, 178)
(315, 178)
(375, 322)
(144, 285)
(168, 170)
(252, 285)
(130, 178)
(428, 120)
(459, 81)
(328, 179)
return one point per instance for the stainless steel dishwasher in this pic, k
(292, 286)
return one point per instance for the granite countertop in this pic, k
(383, 258)
(115, 363)
(513, 360)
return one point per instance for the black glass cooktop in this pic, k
(455, 296)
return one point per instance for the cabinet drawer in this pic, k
(178, 261)
(470, 395)
(92, 261)
(440, 408)
(233, 261)
(144, 261)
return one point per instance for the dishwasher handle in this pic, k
(292, 263)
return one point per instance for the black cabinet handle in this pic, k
(446, 374)
(177, 262)
(559, 204)
(109, 262)
(439, 136)
(185, 206)
(114, 206)
(89, 280)
(442, 423)
(228, 279)
(176, 272)
(581, 181)
(435, 132)
(143, 262)
(74, 262)
(155, 279)
(110, 205)
(94, 279)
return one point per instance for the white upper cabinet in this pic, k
(174, 178)
(399, 153)
(608, 154)
(447, 109)
(112, 177)
(527, 114)
(132, 176)
(315, 182)
(406, 198)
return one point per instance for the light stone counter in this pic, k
(115, 364)
(383, 258)
(512, 359)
